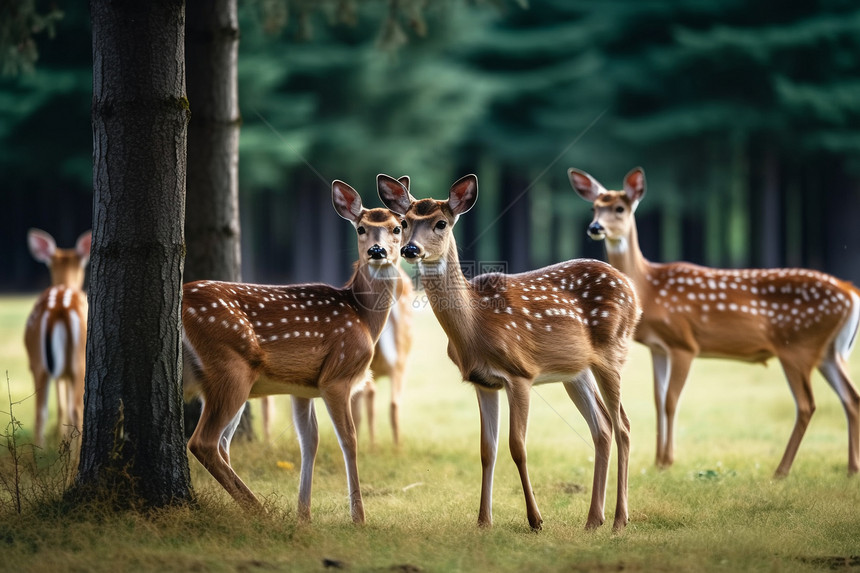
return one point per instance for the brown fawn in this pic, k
(805, 318)
(571, 322)
(307, 340)
(56, 332)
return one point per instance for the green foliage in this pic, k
(20, 22)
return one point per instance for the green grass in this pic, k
(717, 509)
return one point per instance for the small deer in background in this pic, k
(307, 340)
(807, 319)
(56, 331)
(390, 359)
(571, 322)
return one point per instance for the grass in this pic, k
(716, 509)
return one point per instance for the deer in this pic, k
(571, 322)
(390, 359)
(55, 334)
(805, 318)
(308, 340)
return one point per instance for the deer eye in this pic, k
(403, 223)
(396, 230)
(361, 230)
(619, 209)
(441, 224)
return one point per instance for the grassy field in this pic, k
(717, 509)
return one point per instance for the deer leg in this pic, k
(305, 420)
(227, 434)
(336, 396)
(267, 407)
(518, 403)
(833, 370)
(62, 404)
(41, 381)
(584, 394)
(218, 412)
(396, 394)
(609, 381)
(798, 382)
(679, 369)
(662, 366)
(369, 404)
(488, 405)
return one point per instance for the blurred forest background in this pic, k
(745, 115)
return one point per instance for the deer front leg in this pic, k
(337, 401)
(305, 421)
(488, 405)
(518, 404)
(670, 374)
(584, 394)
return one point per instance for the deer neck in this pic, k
(625, 255)
(451, 295)
(374, 290)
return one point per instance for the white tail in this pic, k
(308, 340)
(56, 332)
(570, 323)
(805, 318)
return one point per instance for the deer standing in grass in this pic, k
(307, 340)
(805, 318)
(56, 331)
(389, 360)
(571, 322)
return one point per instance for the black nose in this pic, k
(376, 252)
(410, 251)
(595, 228)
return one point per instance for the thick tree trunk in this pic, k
(133, 450)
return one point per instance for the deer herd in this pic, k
(572, 322)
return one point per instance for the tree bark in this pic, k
(212, 219)
(133, 451)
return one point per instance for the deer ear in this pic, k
(83, 246)
(585, 185)
(346, 201)
(394, 193)
(42, 245)
(463, 194)
(404, 180)
(634, 184)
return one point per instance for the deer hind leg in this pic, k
(833, 370)
(609, 382)
(305, 420)
(336, 396)
(219, 411)
(397, 379)
(488, 406)
(584, 394)
(678, 368)
(42, 381)
(801, 389)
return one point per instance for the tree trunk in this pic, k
(133, 451)
(212, 218)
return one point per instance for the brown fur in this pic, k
(308, 340)
(795, 315)
(564, 323)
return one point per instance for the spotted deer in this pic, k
(571, 322)
(389, 360)
(307, 340)
(56, 332)
(806, 319)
